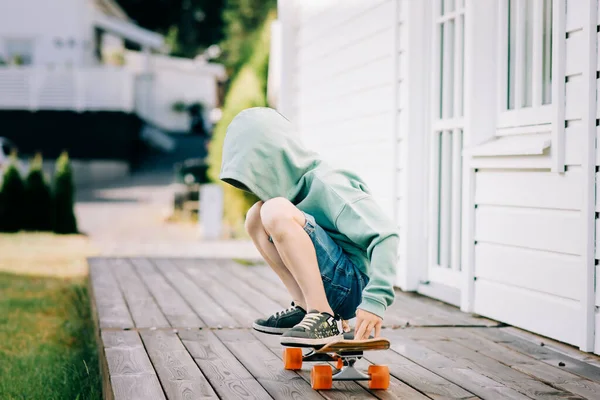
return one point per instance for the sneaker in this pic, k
(316, 329)
(281, 321)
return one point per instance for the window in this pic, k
(525, 57)
(446, 141)
(18, 51)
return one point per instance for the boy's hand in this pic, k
(365, 323)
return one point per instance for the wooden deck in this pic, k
(179, 329)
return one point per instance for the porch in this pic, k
(180, 328)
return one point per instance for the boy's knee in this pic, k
(276, 213)
(253, 222)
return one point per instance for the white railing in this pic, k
(103, 88)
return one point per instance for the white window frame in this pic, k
(446, 136)
(537, 113)
(29, 39)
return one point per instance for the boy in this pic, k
(317, 227)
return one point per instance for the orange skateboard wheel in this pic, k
(321, 377)
(339, 363)
(380, 377)
(292, 358)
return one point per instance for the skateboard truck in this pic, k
(348, 372)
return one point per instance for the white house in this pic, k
(54, 73)
(474, 122)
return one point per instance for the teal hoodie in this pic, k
(263, 155)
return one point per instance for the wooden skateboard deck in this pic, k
(347, 346)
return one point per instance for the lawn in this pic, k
(47, 344)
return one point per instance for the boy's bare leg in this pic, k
(260, 237)
(284, 222)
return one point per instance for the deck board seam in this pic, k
(184, 271)
(143, 283)
(168, 281)
(242, 364)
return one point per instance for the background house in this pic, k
(66, 82)
(474, 122)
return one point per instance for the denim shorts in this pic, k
(342, 280)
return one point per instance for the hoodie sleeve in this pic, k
(365, 224)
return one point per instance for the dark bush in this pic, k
(38, 199)
(64, 197)
(12, 195)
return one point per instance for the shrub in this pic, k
(248, 89)
(64, 196)
(12, 195)
(38, 198)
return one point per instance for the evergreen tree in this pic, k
(64, 197)
(38, 198)
(13, 194)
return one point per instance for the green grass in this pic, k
(47, 342)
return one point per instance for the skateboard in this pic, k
(344, 353)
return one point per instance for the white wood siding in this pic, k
(344, 87)
(528, 222)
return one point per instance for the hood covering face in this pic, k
(263, 155)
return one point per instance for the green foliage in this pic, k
(190, 25)
(12, 198)
(48, 348)
(64, 197)
(248, 89)
(38, 199)
(244, 21)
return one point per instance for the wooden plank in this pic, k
(436, 312)
(227, 375)
(370, 22)
(529, 189)
(543, 354)
(180, 376)
(342, 390)
(553, 345)
(209, 310)
(574, 101)
(265, 366)
(454, 370)
(131, 372)
(552, 230)
(553, 375)
(178, 312)
(241, 310)
(537, 312)
(574, 50)
(576, 11)
(542, 271)
(112, 310)
(250, 275)
(107, 388)
(260, 301)
(418, 377)
(490, 368)
(143, 307)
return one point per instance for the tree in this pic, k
(13, 194)
(190, 25)
(38, 198)
(64, 197)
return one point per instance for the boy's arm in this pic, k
(365, 224)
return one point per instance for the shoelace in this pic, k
(287, 310)
(309, 321)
